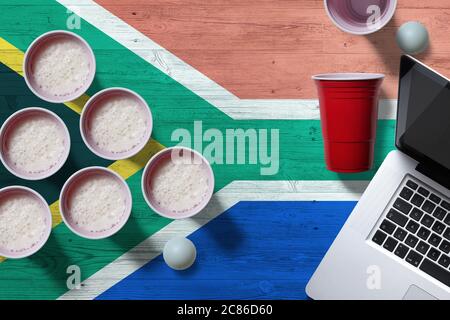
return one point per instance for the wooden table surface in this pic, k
(232, 65)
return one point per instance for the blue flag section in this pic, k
(255, 250)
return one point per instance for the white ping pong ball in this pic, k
(179, 253)
(412, 37)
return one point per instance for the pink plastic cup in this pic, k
(14, 120)
(66, 194)
(360, 17)
(14, 191)
(167, 155)
(44, 40)
(94, 102)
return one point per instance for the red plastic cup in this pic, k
(349, 114)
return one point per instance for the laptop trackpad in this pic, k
(415, 293)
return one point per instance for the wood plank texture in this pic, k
(254, 48)
(269, 49)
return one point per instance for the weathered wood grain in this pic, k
(269, 49)
(254, 58)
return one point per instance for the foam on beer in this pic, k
(179, 186)
(61, 67)
(35, 144)
(22, 223)
(118, 124)
(97, 203)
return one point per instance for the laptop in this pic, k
(396, 242)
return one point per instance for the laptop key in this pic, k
(397, 217)
(412, 184)
(423, 247)
(444, 261)
(387, 226)
(427, 220)
(445, 205)
(417, 200)
(439, 213)
(428, 206)
(447, 219)
(406, 193)
(434, 240)
(390, 244)
(411, 240)
(401, 250)
(400, 234)
(445, 246)
(423, 191)
(423, 233)
(447, 233)
(416, 214)
(438, 227)
(414, 258)
(435, 198)
(402, 206)
(433, 254)
(435, 271)
(412, 226)
(379, 237)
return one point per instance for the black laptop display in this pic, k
(423, 119)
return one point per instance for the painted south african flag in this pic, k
(260, 237)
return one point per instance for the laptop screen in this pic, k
(423, 119)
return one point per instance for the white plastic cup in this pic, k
(96, 101)
(11, 122)
(44, 40)
(19, 190)
(65, 197)
(360, 17)
(154, 162)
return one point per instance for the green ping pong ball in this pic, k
(179, 253)
(412, 37)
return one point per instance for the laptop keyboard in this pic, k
(416, 228)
